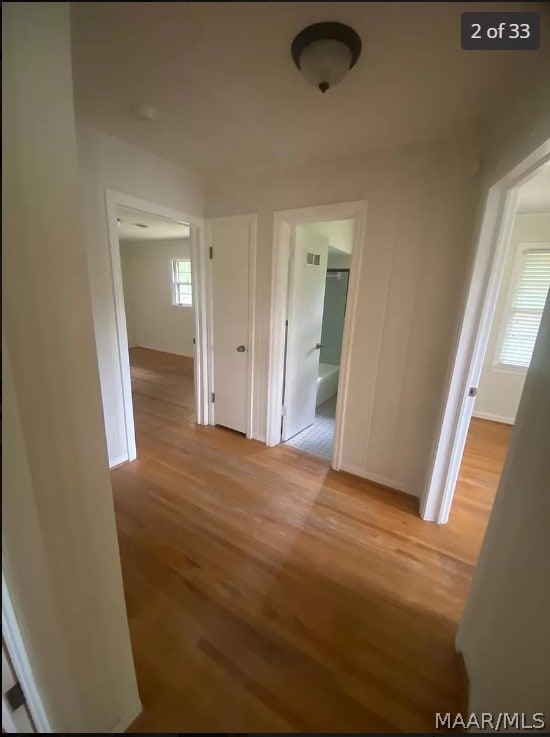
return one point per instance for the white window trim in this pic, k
(173, 283)
(523, 248)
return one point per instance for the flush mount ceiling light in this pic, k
(325, 52)
(145, 112)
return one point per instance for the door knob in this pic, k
(318, 346)
(241, 348)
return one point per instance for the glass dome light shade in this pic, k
(326, 62)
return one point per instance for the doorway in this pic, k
(160, 309)
(508, 290)
(523, 288)
(157, 280)
(320, 261)
(317, 255)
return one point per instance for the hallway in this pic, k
(265, 592)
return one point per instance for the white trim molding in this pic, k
(118, 461)
(127, 720)
(389, 484)
(113, 200)
(251, 432)
(493, 418)
(17, 650)
(284, 221)
(492, 241)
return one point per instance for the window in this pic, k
(181, 282)
(530, 283)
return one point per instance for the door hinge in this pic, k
(15, 696)
(472, 391)
(211, 251)
(194, 341)
(213, 397)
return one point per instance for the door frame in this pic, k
(251, 430)
(113, 200)
(284, 221)
(289, 356)
(491, 245)
(14, 643)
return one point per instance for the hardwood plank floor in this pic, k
(265, 592)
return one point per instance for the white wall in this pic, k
(154, 321)
(60, 552)
(29, 579)
(107, 163)
(339, 261)
(421, 204)
(504, 633)
(500, 388)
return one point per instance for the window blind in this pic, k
(526, 310)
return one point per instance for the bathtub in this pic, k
(327, 382)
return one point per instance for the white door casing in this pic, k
(16, 721)
(232, 240)
(307, 283)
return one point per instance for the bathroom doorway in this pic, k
(320, 260)
(308, 242)
(316, 266)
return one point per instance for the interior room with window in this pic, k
(523, 290)
(155, 257)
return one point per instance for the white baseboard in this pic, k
(494, 418)
(118, 460)
(390, 483)
(125, 721)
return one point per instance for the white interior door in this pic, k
(305, 320)
(232, 263)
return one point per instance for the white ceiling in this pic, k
(157, 229)
(534, 196)
(228, 96)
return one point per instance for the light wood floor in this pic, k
(265, 592)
